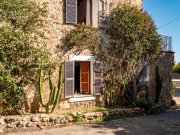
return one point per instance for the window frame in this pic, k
(76, 22)
(80, 58)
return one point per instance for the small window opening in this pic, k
(77, 78)
(83, 12)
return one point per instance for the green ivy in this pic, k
(176, 68)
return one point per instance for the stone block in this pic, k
(22, 124)
(1, 131)
(11, 125)
(32, 124)
(2, 122)
(45, 119)
(10, 119)
(52, 119)
(57, 121)
(34, 119)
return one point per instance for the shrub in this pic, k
(134, 44)
(82, 36)
(176, 68)
(78, 118)
(144, 104)
(20, 24)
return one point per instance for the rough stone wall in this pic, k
(112, 3)
(46, 120)
(55, 30)
(164, 66)
(87, 104)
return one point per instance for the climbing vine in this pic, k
(82, 36)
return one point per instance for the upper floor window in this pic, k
(82, 11)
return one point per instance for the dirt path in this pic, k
(160, 124)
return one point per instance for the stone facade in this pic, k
(55, 31)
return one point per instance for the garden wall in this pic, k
(44, 120)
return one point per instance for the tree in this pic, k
(176, 68)
(134, 44)
(20, 30)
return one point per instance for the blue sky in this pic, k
(163, 12)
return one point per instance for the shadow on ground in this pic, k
(160, 124)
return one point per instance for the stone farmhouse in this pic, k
(82, 72)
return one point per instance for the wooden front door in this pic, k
(85, 77)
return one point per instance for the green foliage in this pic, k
(20, 24)
(78, 118)
(134, 43)
(97, 109)
(1, 106)
(110, 94)
(82, 36)
(55, 91)
(173, 88)
(176, 68)
(142, 103)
